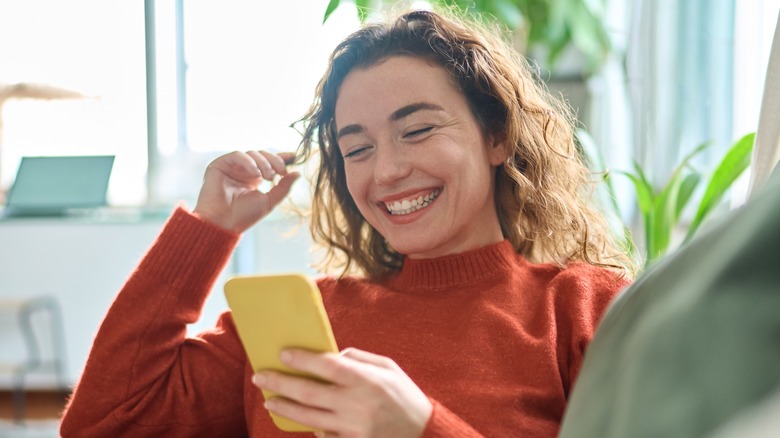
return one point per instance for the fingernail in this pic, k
(258, 379)
(285, 356)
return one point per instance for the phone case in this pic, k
(273, 312)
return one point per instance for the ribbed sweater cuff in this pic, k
(444, 424)
(189, 252)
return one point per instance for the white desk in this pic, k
(79, 261)
(83, 262)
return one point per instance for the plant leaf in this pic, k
(735, 162)
(696, 151)
(362, 9)
(644, 192)
(641, 174)
(663, 216)
(666, 205)
(332, 5)
(687, 187)
(645, 200)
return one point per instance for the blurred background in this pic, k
(166, 86)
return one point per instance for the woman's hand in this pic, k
(369, 395)
(229, 196)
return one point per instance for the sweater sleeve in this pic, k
(143, 376)
(582, 294)
(445, 424)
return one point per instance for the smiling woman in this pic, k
(467, 270)
(540, 187)
(417, 139)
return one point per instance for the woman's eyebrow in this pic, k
(397, 115)
(349, 129)
(404, 111)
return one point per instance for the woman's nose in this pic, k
(392, 164)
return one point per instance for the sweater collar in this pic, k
(454, 270)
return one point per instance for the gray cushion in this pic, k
(694, 341)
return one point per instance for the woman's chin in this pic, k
(416, 249)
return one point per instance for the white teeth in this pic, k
(407, 206)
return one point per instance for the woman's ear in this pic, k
(497, 151)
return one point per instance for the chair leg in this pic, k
(19, 400)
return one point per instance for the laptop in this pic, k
(58, 185)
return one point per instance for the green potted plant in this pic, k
(546, 29)
(568, 39)
(661, 208)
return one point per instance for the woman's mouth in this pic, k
(409, 205)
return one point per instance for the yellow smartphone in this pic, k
(274, 312)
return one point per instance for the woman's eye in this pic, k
(355, 152)
(417, 132)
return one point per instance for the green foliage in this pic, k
(662, 208)
(734, 163)
(551, 25)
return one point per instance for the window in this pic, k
(243, 73)
(234, 75)
(229, 75)
(52, 51)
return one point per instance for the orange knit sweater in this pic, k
(494, 341)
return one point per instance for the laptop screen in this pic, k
(50, 185)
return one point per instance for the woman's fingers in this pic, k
(250, 165)
(287, 157)
(264, 162)
(332, 366)
(279, 191)
(230, 197)
(301, 413)
(277, 162)
(370, 358)
(296, 388)
(328, 366)
(261, 164)
(366, 394)
(271, 164)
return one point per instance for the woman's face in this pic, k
(417, 164)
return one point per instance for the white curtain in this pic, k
(666, 89)
(766, 152)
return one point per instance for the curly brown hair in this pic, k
(543, 187)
